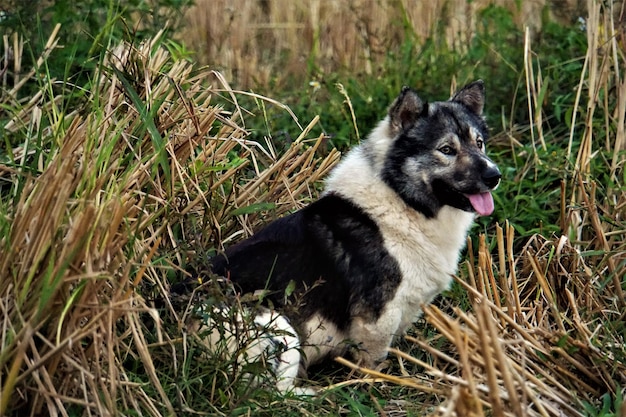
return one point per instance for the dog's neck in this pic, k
(356, 179)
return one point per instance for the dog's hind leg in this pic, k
(283, 345)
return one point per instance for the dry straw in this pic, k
(156, 157)
(268, 42)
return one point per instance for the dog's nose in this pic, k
(491, 177)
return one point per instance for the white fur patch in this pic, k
(269, 339)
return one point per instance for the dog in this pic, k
(352, 270)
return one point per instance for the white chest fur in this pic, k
(426, 249)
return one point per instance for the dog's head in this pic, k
(436, 156)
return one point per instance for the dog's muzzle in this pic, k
(491, 177)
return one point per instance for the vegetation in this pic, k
(122, 161)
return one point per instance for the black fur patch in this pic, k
(332, 251)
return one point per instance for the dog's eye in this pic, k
(447, 150)
(480, 143)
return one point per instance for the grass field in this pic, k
(124, 158)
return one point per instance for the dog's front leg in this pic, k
(374, 338)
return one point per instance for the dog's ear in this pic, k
(472, 96)
(405, 110)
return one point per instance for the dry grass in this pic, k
(268, 42)
(155, 159)
(161, 158)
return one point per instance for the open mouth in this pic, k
(481, 202)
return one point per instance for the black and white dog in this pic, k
(383, 239)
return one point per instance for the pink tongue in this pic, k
(482, 203)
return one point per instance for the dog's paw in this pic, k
(304, 391)
(382, 365)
